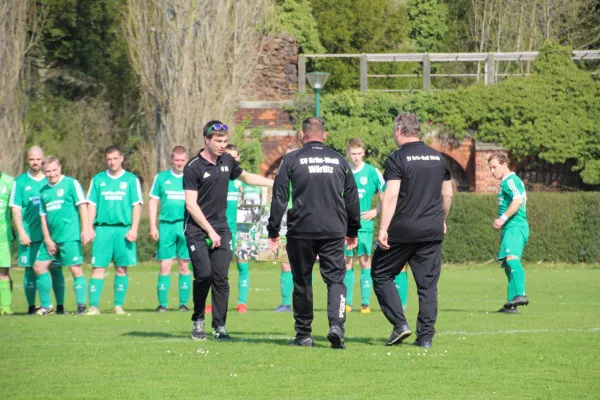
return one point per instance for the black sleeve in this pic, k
(393, 169)
(447, 175)
(191, 179)
(279, 202)
(236, 169)
(352, 203)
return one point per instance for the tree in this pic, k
(295, 17)
(428, 27)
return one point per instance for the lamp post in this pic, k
(317, 81)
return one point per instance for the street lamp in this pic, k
(317, 81)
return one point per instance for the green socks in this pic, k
(401, 282)
(243, 282)
(366, 283)
(44, 285)
(162, 289)
(96, 286)
(286, 282)
(121, 285)
(185, 288)
(516, 278)
(349, 282)
(29, 285)
(5, 296)
(58, 285)
(80, 288)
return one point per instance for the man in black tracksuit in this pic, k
(415, 205)
(324, 214)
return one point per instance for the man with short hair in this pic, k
(63, 212)
(512, 222)
(25, 204)
(205, 181)
(167, 192)
(415, 205)
(115, 206)
(6, 238)
(325, 214)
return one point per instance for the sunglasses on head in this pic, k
(217, 127)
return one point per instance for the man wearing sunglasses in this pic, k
(205, 181)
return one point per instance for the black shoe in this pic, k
(161, 309)
(306, 341)
(398, 337)
(183, 308)
(32, 310)
(426, 344)
(221, 334)
(80, 309)
(336, 337)
(60, 310)
(518, 301)
(198, 330)
(508, 310)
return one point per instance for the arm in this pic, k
(446, 199)
(83, 218)
(388, 207)
(255, 180)
(153, 204)
(50, 245)
(131, 236)
(512, 209)
(352, 205)
(18, 221)
(91, 208)
(191, 206)
(371, 214)
(279, 201)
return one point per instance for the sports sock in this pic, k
(29, 285)
(121, 284)
(80, 288)
(366, 283)
(243, 282)
(401, 282)
(162, 289)
(349, 282)
(44, 285)
(58, 285)
(5, 296)
(185, 288)
(510, 292)
(96, 286)
(517, 276)
(286, 282)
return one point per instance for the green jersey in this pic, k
(251, 192)
(512, 187)
(114, 197)
(232, 201)
(168, 188)
(26, 196)
(59, 203)
(369, 181)
(6, 185)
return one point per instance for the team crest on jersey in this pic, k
(60, 192)
(168, 182)
(123, 185)
(28, 188)
(3, 190)
(363, 180)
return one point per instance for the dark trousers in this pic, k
(302, 254)
(210, 268)
(425, 261)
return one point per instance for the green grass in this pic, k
(549, 350)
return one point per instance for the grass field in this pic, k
(549, 350)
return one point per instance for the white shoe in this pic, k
(93, 311)
(119, 310)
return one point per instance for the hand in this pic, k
(131, 236)
(369, 215)
(24, 239)
(498, 223)
(85, 237)
(51, 247)
(382, 240)
(274, 243)
(351, 242)
(91, 234)
(154, 233)
(216, 239)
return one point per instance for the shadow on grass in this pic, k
(163, 335)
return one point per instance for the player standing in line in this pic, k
(25, 204)
(6, 238)
(62, 207)
(512, 221)
(115, 206)
(167, 191)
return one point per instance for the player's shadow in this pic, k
(463, 311)
(162, 335)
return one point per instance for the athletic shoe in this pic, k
(80, 309)
(118, 310)
(208, 309)
(198, 330)
(221, 334)
(45, 311)
(426, 344)
(284, 308)
(397, 337)
(32, 310)
(60, 310)
(348, 309)
(306, 341)
(365, 309)
(7, 312)
(518, 301)
(93, 310)
(161, 309)
(336, 337)
(183, 308)
(242, 308)
(508, 310)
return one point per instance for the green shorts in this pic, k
(513, 241)
(26, 255)
(5, 256)
(364, 247)
(171, 241)
(68, 255)
(110, 245)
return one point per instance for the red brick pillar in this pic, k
(484, 180)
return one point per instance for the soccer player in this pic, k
(115, 205)
(205, 181)
(6, 238)
(63, 212)
(369, 182)
(167, 191)
(512, 221)
(25, 204)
